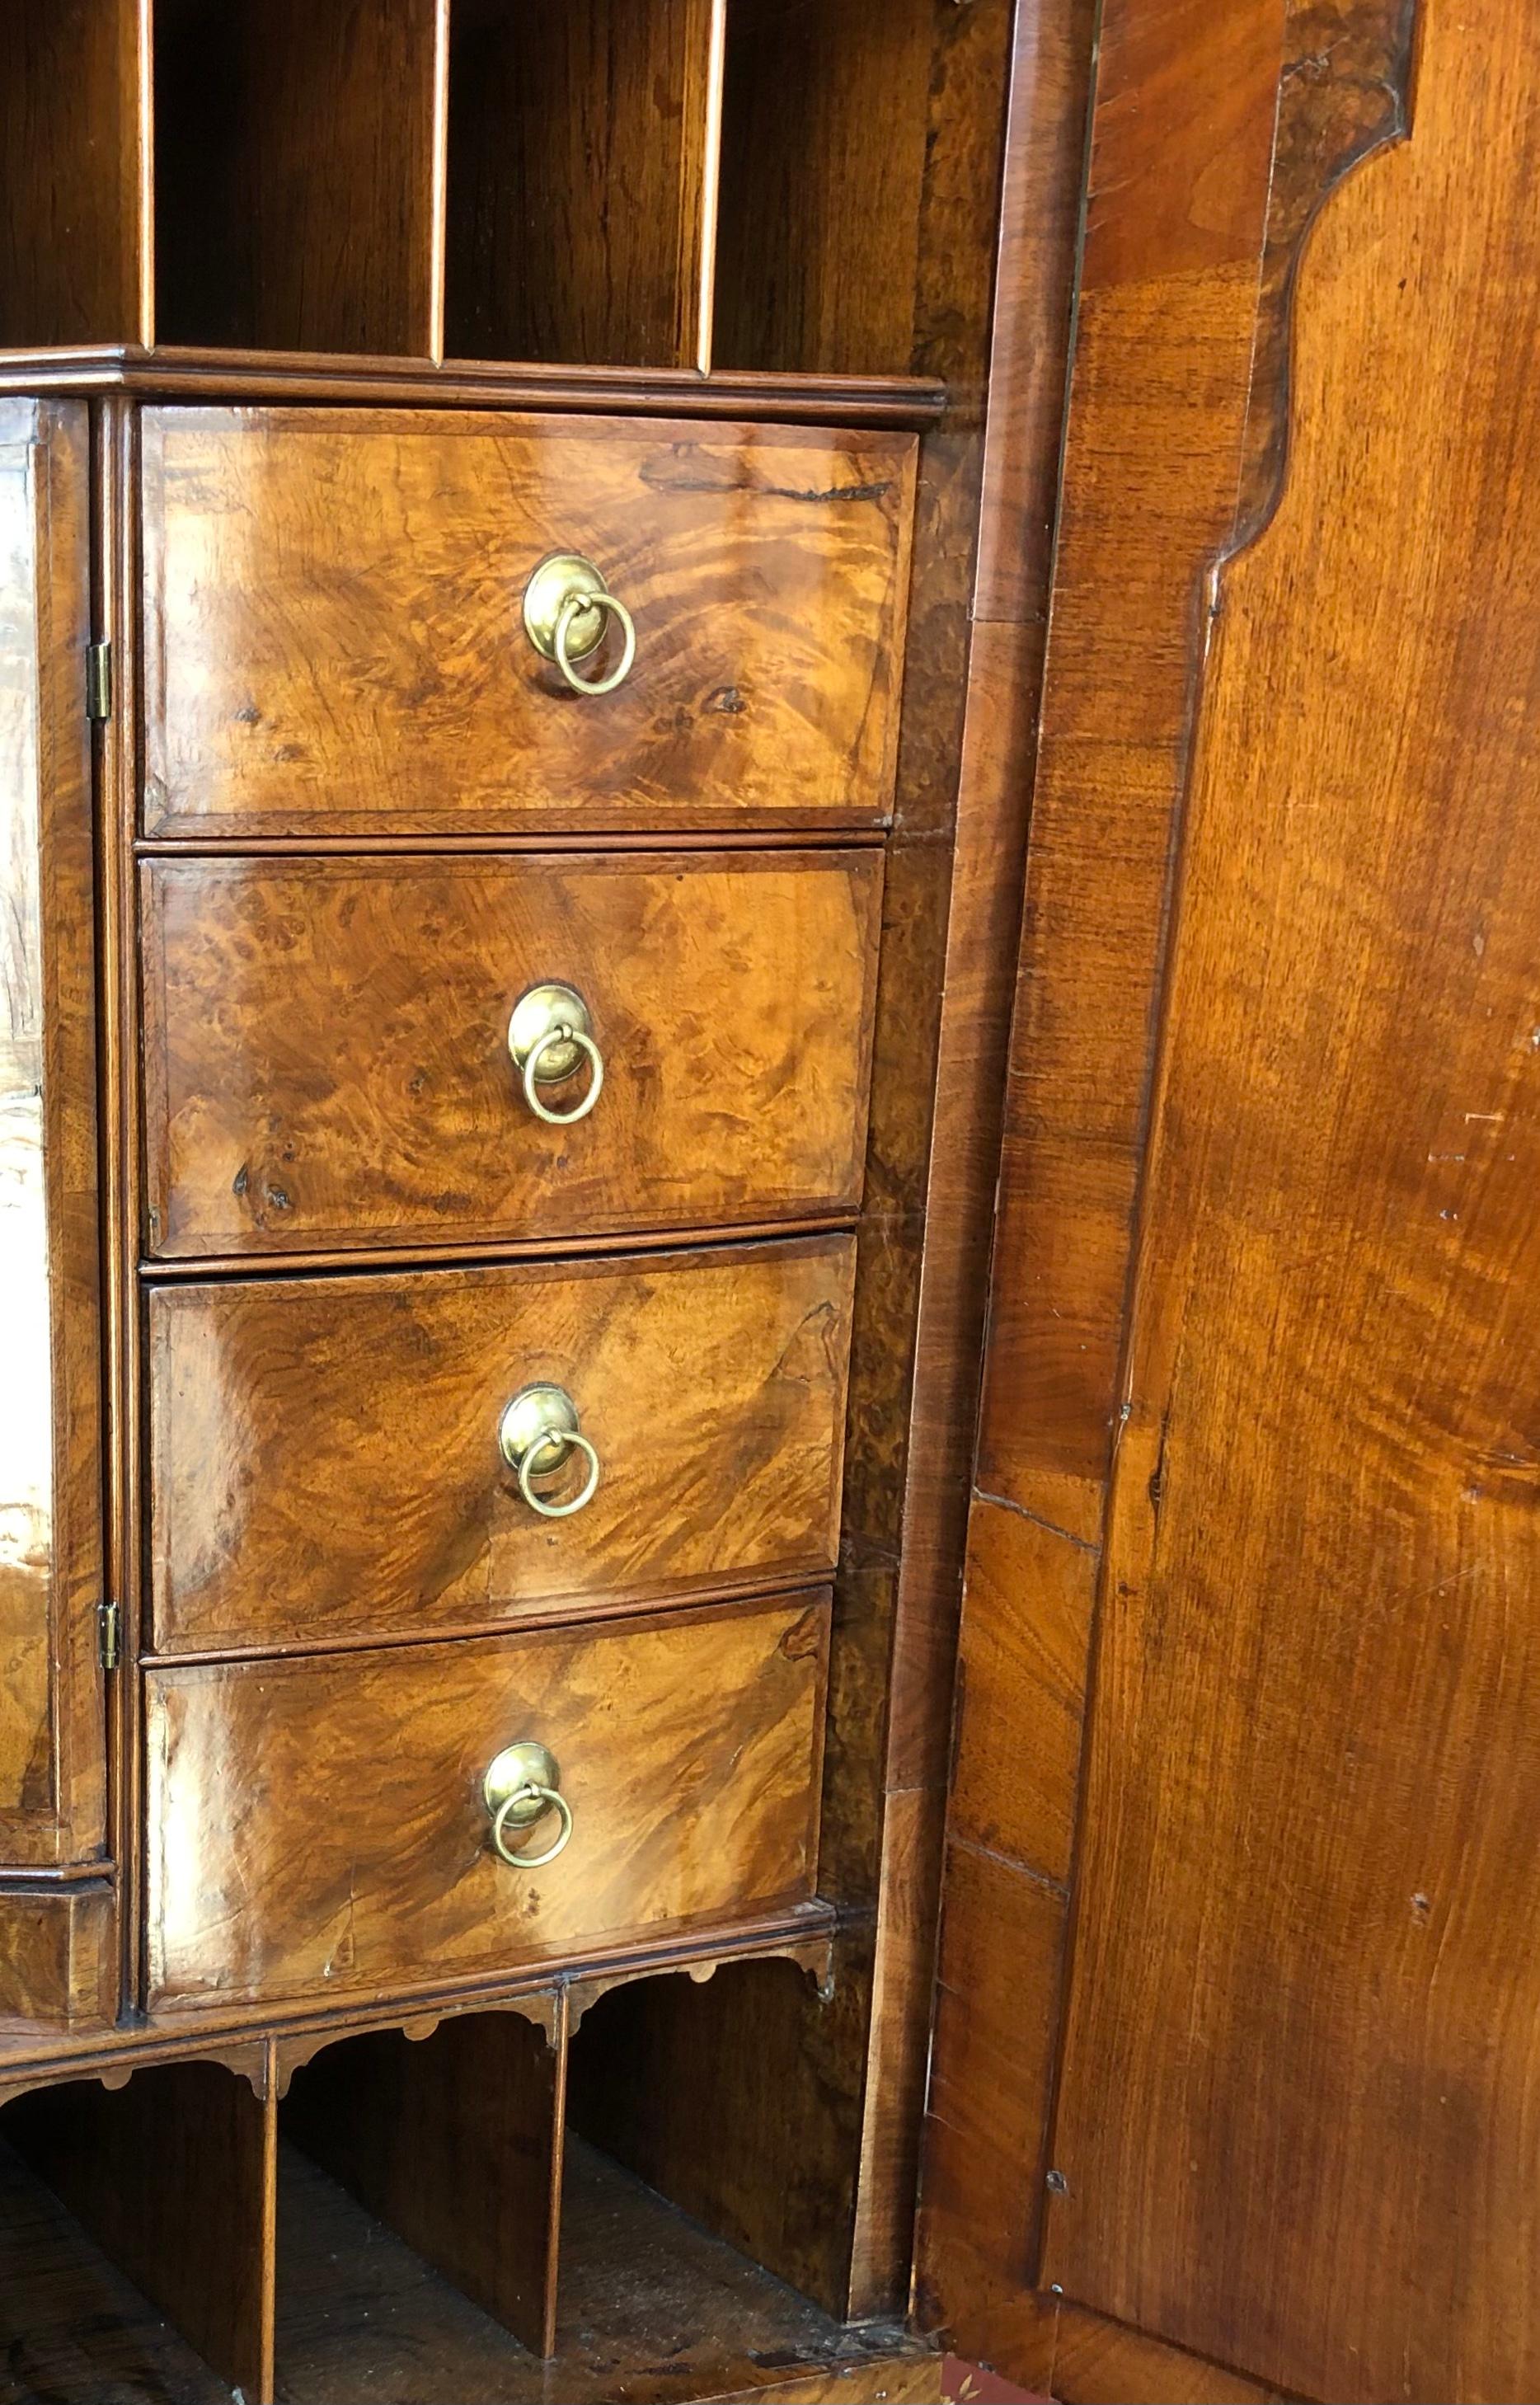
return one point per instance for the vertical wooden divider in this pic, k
(452, 2134)
(174, 2176)
(710, 188)
(438, 235)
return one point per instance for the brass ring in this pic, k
(571, 610)
(556, 1802)
(568, 1437)
(596, 1084)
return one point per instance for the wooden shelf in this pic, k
(631, 185)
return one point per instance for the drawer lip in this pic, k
(819, 1169)
(181, 1976)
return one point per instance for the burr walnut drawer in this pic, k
(319, 1825)
(335, 639)
(327, 1454)
(327, 1062)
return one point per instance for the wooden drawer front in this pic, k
(334, 641)
(327, 1057)
(317, 1824)
(326, 1456)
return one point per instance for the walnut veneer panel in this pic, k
(327, 1061)
(316, 1825)
(334, 642)
(326, 1457)
(1304, 1962)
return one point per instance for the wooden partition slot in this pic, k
(71, 135)
(826, 119)
(297, 173)
(173, 2178)
(582, 143)
(453, 2140)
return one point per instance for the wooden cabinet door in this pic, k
(53, 1758)
(1240, 2017)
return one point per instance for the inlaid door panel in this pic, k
(334, 623)
(328, 1059)
(326, 1456)
(318, 1824)
(53, 1746)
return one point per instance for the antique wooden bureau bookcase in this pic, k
(489, 504)
(648, 1349)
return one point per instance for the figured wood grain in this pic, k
(1313, 1754)
(327, 1060)
(294, 174)
(58, 1963)
(579, 147)
(317, 1824)
(454, 2140)
(52, 1763)
(325, 1459)
(334, 642)
(71, 145)
(169, 2175)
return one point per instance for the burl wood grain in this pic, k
(579, 147)
(325, 1459)
(317, 1827)
(52, 1767)
(327, 1060)
(334, 642)
(1305, 1957)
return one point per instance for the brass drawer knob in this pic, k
(549, 1036)
(521, 1785)
(566, 608)
(539, 1434)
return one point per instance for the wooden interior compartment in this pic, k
(297, 149)
(167, 2184)
(826, 122)
(582, 156)
(451, 2134)
(71, 129)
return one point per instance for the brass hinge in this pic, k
(99, 681)
(110, 1627)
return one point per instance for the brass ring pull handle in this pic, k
(537, 1435)
(566, 609)
(520, 1786)
(549, 1036)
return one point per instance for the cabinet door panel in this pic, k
(52, 1761)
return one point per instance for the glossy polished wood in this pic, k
(295, 160)
(317, 1824)
(581, 141)
(327, 1060)
(1314, 1748)
(334, 642)
(52, 1768)
(325, 1459)
(58, 1963)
